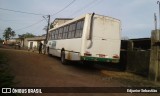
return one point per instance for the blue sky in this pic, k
(137, 16)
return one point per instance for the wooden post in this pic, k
(154, 68)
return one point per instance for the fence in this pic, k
(146, 63)
(138, 62)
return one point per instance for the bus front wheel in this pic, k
(63, 60)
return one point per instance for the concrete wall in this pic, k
(138, 62)
(35, 44)
(154, 72)
(38, 38)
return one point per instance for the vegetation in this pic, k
(26, 35)
(51, 26)
(8, 33)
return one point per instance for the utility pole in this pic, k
(155, 21)
(158, 2)
(48, 27)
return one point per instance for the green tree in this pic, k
(51, 26)
(8, 33)
(26, 35)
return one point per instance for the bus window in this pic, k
(79, 29)
(60, 33)
(53, 33)
(72, 28)
(65, 33)
(56, 34)
(49, 35)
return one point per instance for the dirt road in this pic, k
(38, 70)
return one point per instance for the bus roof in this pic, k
(81, 17)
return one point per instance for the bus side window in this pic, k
(79, 29)
(56, 34)
(82, 24)
(60, 33)
(53, 35)
(65, 33)
(71, 32)
(49, 35)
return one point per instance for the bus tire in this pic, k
(63, 60)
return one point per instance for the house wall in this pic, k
(35, 44)
(36, 39)
(26, 42)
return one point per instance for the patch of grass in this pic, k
(6, 79)
(130, 79)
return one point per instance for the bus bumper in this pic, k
(85, 58)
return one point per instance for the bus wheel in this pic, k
(63, 60)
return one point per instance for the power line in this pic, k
(5, 20)
(29, 25)
(84, 7)
(20, 11)
(37, 14)
(64, 8)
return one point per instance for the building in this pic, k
(58, 21)
(136, 44)
(141, 43)
(33, 43)
(12, 41)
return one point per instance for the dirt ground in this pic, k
(37, 70)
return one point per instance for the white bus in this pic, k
(90, 37)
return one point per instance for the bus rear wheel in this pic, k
(63, 60)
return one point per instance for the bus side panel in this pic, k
(72, 48)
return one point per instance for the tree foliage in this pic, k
(51, 26)
(8, 33)
(26, 35)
